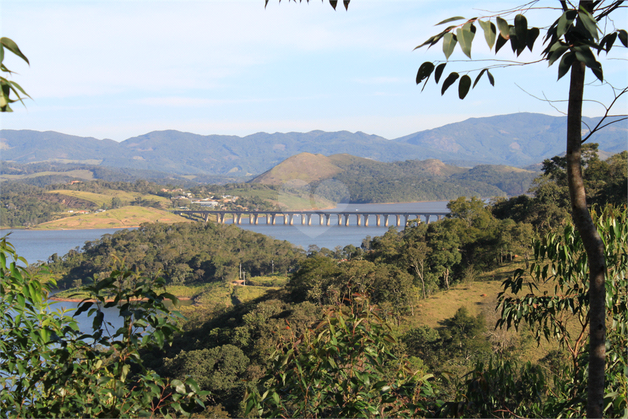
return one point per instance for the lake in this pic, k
(39, 245)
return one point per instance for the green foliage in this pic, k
(572, 37)
(217, 369)
(503, 388)
(7, 86)
(459, 343)
(560, 258)
(186, 253)
(50, 368)
(346, 367)
(326, 281)
(26, 205)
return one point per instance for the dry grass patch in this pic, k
(124, 217)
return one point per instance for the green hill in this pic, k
(368, 180)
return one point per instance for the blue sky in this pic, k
(118, 69)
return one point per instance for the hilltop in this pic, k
(412, 180)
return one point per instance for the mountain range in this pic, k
(518, 140)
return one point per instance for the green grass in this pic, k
(105, 197)
(268, 281)
(187, 291)
(250, 292)
(79, 174)
(214, 296)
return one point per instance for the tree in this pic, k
(563, 315)
(345, 367)
(48, 367)
(571, 39)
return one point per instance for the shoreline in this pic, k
(35, 228)
(91, 300)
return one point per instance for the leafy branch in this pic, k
(7, 86)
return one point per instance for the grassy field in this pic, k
(124, 217)
(478, 297)
(105, 197)
(79, 174)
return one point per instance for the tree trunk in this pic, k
(592, 243)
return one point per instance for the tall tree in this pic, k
(571, 38)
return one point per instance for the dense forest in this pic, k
(341, 338)
(184, 254)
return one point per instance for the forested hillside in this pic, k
(369, 181)
(188, 253)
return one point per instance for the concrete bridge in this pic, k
(321, 218)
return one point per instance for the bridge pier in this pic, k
(359, 220)
(273, 217)
(347, 220)
(255, 216)
(289, 219)
(386, 220)
(366, 220)
(328, 219)
(377, 220)
(237, 218)
(398, 223)
(427, 218)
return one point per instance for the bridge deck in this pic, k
(324, 217)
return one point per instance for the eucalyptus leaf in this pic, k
(565, 22)
(589, 23)
(465, 38)
(463, 86)
(477, 79)
(449, 43)
(12, 46)
(607, 42)
(533, 33)
(490, 32)
(623, 37)
(521, 27)
(451, 79)
(439, 72)
(556, 51)
(584, 54)
(504, 29)
(451, 19)
(565, 63)
(501, 41)
(490, 78)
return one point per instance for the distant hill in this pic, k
(519, 139)
(412, 180)
(515, 140)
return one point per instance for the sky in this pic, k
(119, 69)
